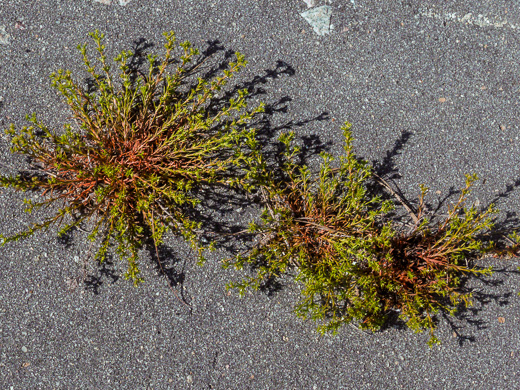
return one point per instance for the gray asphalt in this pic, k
(432, 93)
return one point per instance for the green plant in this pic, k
(353, 261)
(138, 151)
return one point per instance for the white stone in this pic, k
(4, 36)
(319, 19)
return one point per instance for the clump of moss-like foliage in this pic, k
(140, 147)
(353, 260)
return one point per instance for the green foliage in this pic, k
(138, 151)
(355, 263)
(141, 147)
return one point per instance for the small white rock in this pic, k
(319, 19)
(4, 36)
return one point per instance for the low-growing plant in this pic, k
(139, 149)
(353, 260)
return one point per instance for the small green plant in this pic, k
(138, 151)
(353, 261)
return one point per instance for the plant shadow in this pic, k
(470, 317)
(105, 271)
(220, 207)
(465, 318)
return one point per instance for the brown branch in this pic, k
(398, 197)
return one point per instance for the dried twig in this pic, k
(398, 197)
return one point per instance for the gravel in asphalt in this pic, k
(431, 88)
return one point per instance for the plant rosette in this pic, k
(140, 148)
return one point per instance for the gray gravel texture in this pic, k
(432, 94)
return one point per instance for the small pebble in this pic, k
(24, 349)
(4, 36)
(319, 19)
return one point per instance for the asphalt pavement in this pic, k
(431, 88)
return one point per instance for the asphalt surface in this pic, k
(432, 94)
